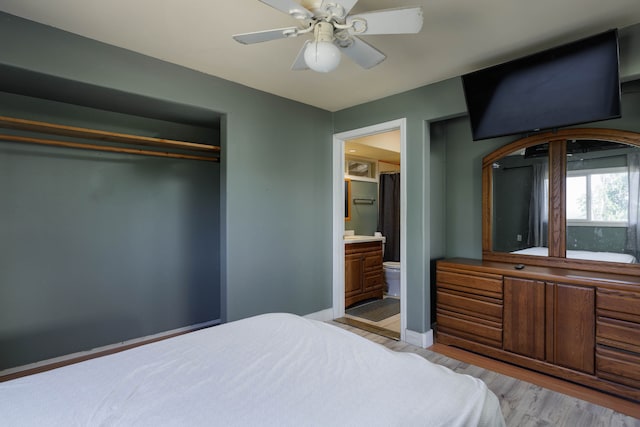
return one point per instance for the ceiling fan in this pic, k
(335, 31)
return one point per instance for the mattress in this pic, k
(274, 369)
(587, 255)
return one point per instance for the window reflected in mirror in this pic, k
(520, 202)
(571, 203)
(602, 196)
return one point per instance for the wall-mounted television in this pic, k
(571, 84)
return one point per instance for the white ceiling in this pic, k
(458, 36)
(383, 146)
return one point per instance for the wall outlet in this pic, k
(519, 237)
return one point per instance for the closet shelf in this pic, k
(78, 132)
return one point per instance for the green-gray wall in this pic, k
(444, 172)
(419, 107)
(97, 248)
(275, 173)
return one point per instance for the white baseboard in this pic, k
(322, 315)
(72, 356)
(420, 339)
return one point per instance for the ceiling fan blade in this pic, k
(265, 36)
(347, 5)
(290, 7)
(389, 21)
(362, 53)
(300, 64)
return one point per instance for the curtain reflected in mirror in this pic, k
(602, 197)
(568, 199)
(520, 202)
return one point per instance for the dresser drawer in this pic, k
(479, 306)
(468, 327)
(621, 305)
(618, 366)
(485, 284)
(618, 333)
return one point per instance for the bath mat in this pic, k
(376, 310)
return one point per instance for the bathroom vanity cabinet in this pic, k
(577, 325)
(363, 271)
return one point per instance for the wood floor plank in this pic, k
(523, 402)
(619, 405)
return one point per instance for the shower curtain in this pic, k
(389, 214)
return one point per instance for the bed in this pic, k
(274, 369)
(588, 255)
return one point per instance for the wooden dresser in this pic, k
(363, 272)
(577, 325)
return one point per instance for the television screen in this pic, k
(571, 84)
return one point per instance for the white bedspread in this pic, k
(269, 370)
(588, 255)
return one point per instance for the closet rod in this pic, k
(77, 132)
(56, 143)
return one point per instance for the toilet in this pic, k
(392, 277)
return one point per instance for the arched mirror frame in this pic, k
(557, 189)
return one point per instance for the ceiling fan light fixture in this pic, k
(322, 55)
(336, 32)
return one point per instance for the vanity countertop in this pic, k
(362, 239)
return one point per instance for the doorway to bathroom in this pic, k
(369, 198)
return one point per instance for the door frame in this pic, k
(338, 213)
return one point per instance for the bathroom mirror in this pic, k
(567, 199)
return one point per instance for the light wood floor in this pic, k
(528, 401)
(391, 323)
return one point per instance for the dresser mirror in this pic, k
(567, 198)
(520, 188)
